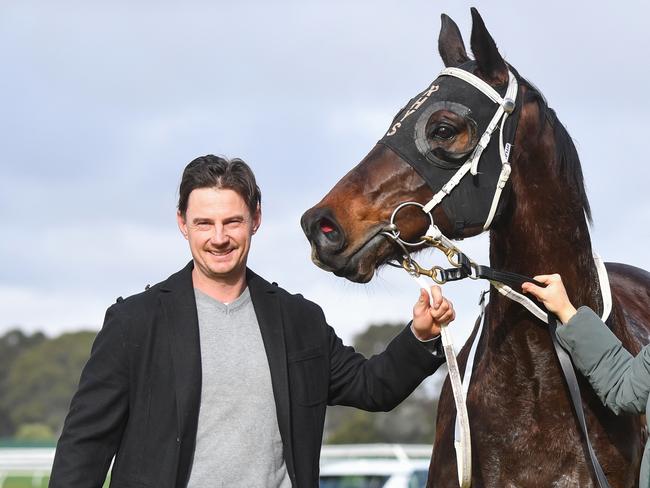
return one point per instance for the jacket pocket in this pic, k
(308, 376)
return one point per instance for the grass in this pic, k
(29, 482)
(24, 482)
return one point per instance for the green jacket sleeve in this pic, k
(621, 381)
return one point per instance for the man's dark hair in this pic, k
(216, 172)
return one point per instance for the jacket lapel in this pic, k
(179, 307)
(269, 316)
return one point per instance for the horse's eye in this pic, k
(443, 131)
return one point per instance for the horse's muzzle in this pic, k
(323, 231)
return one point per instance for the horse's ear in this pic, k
(490, 63)
(450, 43)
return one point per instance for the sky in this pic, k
(102, 104)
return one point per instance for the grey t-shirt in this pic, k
(238, 442)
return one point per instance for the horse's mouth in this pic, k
(361, 264)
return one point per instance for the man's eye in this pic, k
(443, 131)
(203, 225)
(233, 224)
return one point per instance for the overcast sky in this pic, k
(102, 104)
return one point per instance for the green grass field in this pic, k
(27, 482)
(24, 482)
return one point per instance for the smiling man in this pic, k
(216, 377)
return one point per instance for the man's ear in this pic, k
(257, 219)
(182, 225)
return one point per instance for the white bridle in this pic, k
(506, 105)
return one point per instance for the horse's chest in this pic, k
(521, 428)
(524, 409)
(527, 440)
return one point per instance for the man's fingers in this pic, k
(447, 317)
(446, 314)
(437, 313)
(424, 296)
(437, 306)
(436, 293)
(422, 304)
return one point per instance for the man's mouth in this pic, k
(221, 253)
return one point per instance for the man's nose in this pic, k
(219, 237)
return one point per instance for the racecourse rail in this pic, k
(36, 462)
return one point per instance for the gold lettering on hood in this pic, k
(413, 108)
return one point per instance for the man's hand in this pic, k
(429, 318)
(554, 296)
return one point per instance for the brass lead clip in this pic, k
(436, 273)
(453, 255)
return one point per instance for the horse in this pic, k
(523, 430)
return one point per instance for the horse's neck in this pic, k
(547, 232)
(541, 249)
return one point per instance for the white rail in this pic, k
(37, 462)
(399, 452)
(32, 462)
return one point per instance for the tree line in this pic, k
(39, 374)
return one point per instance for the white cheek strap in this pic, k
(505, 108)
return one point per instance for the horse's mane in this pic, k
(568, 161)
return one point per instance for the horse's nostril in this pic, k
(322, 230)
(326, 226)
(329, 230)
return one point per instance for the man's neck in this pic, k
(225, 291)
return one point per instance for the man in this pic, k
(216, 377)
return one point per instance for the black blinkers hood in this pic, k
(469, 202)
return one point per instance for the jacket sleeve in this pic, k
(383, 381)
(621, 381)
(93, 427)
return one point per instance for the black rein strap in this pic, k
(576, 398)
(514, 281)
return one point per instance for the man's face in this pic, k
(219, 227)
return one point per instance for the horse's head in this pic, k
(447, 149)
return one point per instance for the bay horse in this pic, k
(524, 433)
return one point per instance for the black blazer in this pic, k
(139, 393)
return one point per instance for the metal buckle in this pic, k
(393, 229)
